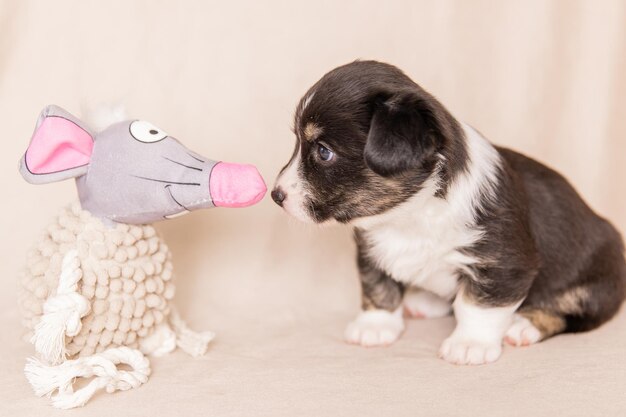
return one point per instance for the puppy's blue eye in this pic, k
(325, 153)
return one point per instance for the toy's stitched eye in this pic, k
(325, 153)
(146, 132)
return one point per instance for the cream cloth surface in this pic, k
(543, 77)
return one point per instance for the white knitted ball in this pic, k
(126, 276)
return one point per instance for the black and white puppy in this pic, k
(444, 220)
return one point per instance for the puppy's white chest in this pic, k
(414, 260)
(421, 251)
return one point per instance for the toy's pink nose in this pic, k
(235, 185)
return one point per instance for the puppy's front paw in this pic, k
(375, 328)
(462, 351)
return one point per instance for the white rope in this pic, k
(102, 366)
(62, 312)
(194, 343)
(61, 317)
(161, 342)
(164, 339)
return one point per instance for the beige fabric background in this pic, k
(545, 77)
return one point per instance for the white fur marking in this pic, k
(418, 241)
(293, 186)
(375, 328)
(307, 101)
(470, 190)
(477, 338)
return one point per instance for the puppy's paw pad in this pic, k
(375, 328)
(469, 352)
(424, 304)
(522, 333)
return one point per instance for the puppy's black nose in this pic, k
(278, 196)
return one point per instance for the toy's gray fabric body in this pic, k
(128, 177)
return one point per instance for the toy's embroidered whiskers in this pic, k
(167, 181)
(181, 164)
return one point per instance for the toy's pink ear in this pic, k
(59, 149)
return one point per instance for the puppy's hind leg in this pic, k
(595, 298)
(600, 292)
(533, 325)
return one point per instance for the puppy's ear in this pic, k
(403, 133)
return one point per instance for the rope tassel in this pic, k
(62, 312)
(46, 379)
(54, 375)
(166, 337)
(194, 343)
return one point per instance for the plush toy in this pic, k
(97, 289)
